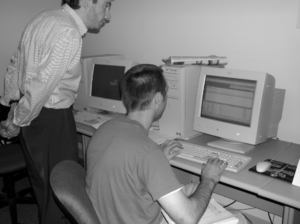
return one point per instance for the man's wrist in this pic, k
(209, 181)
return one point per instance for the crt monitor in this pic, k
(235, 106)
(104, 84)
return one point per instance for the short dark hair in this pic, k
(74, 4)
(140, 84)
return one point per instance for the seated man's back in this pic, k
(127, 173)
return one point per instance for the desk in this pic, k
(265, 193)
(283, 192)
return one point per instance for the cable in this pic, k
(250, 208)
(245, 209)
(271, 221)
(247, 219)
(225, 206)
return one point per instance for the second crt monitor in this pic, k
(105, 75)
(236, 106)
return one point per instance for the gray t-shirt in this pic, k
(126, 173)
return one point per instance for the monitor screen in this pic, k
(228, 100)
(104, 84)
(234, 106)
(106, 81)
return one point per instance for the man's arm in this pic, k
(11, 94)
(11, 91)
(185, 208)
(44, 79)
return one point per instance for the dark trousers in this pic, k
(49, 139)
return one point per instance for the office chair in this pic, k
(68, 183)
(12, 169)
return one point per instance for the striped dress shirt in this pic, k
(45, 70)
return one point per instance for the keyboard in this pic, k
(91, 119)
(201, 154)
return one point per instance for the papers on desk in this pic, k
(214, 214)
(160, 137)
(95, 124)
(91, 119)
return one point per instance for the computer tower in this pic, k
(178, 117)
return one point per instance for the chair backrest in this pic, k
(68, 183)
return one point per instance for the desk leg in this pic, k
(290, 216)
(84, 145)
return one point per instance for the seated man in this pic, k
(129, 178)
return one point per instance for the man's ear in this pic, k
(85, 3)
(158, 98)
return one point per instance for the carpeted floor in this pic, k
(27, 214)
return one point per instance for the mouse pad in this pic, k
(279, 170)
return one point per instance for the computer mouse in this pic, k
(263, 166)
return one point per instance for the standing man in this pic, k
(129, 178)
(40, 86)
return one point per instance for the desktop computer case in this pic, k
(178, 117)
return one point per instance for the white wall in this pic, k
(255, 35)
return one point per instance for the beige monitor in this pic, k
(235, 106)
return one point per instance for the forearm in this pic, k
(201, 197)
(190, 203)
(11, 90)
(27, 110)
(12, 108)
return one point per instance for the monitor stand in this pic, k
(230, 145)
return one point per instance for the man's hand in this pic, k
(213, 169)
(7, 127)
(171, 148)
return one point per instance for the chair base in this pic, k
(12, 204)
(12, 198)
